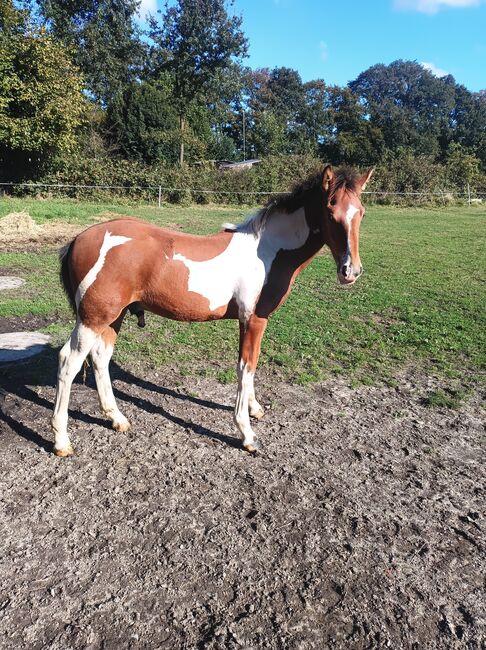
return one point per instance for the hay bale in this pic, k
(18, 225)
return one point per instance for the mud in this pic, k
(360, 524)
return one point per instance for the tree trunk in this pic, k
(181, 152)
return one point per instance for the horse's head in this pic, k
(343, 215)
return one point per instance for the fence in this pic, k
(161, 191)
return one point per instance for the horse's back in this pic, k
(129, 260)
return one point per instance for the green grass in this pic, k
(421, 299)
(447, 398)
(195, 219)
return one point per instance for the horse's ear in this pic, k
(327, 177)
(364, 180)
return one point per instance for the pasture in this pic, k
(359, 525)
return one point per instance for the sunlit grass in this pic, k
(420, 300)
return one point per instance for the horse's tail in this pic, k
(64, 275)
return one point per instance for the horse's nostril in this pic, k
(345, 270)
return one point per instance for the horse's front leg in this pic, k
(251, 334)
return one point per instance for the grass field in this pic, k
(421, 300)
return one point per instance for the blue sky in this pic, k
(336, 41)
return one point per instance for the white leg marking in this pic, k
(109, 241)
(71, 358)
(100, 355)
(256, 410)
(241, 415)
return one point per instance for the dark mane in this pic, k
(346, 178)
(297, 197)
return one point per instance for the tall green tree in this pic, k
(351, 137)
(141, 122)
(41, 100)
(104, 39)
(407, 103)
(196, 40)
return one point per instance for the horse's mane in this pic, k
(346, 178)
(288, 202)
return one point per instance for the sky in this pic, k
(336, 41)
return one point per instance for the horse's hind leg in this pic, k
(71, 358)
(101, 353)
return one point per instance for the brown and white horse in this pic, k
(244, 272)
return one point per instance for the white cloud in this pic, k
(147, 6)
(433, 6)
(323, 50)
(431, 67)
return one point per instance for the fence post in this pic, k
(469, 194)
(160, 196)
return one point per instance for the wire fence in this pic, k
(160, 191)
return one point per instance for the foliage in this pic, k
(184, 96)
(104, 39)
(142, 122)
(350, 138)
(463, 168)
(407, 103)
(196, 41)
(419, 178)
(41, 101)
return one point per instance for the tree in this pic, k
(196, 41)
(41, 100)
(352, 138)
(463, 168)
(141, 122)
(407, 103)
(104, 39)
(467, 123)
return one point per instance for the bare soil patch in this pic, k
(361, 524)
(25, 323)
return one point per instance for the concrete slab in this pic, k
(16, 346)
(10, 282)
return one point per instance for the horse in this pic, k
(243, 272)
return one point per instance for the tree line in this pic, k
(81, 80)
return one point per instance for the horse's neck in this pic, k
(291, 232)
(285, 231)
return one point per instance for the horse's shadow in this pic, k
(41, 371)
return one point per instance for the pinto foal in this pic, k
(244, 272)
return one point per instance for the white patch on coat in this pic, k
(109, 241)
(350, 212)
(242, 269)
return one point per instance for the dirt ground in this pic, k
(360, 524)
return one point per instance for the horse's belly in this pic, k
(187, 307)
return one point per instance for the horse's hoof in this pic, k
(258, 414)
(121, 426)
(251, 448)
(64, 452)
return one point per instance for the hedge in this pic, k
(417, 179)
